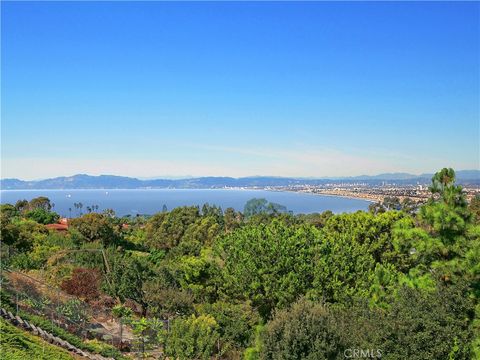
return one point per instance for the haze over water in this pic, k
(150, 201)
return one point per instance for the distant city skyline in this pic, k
(310, 89)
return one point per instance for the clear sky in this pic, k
(155, 89)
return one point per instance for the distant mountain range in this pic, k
(83, 181)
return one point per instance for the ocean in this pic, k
(150, 201)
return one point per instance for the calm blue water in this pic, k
(150, 201)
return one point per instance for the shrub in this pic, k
(304, 331)
(84, 283)
(192, 338)
(42, 216)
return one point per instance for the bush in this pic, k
(95, 227)
(84, 284)
(423, 325)
(236, 323)
(304, 331)
(42, 216)
(192, 338)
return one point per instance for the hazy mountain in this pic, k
(388, 176)
(83, 181)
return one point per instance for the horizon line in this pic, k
(191, 177)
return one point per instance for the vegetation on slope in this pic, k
(400, 280)
(16, 344)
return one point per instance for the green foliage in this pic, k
(16, 344)
(8, 211)
(42, 216)
(446, 213)
(165, 230)
(304, 331)
(198, 274)
(253, 352)
(232, 219)
(271, 265)
(203, 231)
(316, 219)
(96, 227)
(43, 247)
(89, 254)
(126, 277)
(356, 257)
(343, 269)
(443, 242)
(236, 323)
(476, 333)
(413, 244)
(148, 333)
(474, 208)
(373, 233)
(383, 283)
(101, 348)
(262, 206)
(167, 302)
(20, 234)
(74, 310)
(156, 256)
(25, 250)
(192, 338)
(136, 236)
(21, 205)
(121, 312)
(426, 325)
(213, 211)
(40, 202)
(417, 325)
(400, 279)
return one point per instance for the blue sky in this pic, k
(157, 89)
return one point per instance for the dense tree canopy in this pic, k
(402, 280)
(304, 331)
(270, 264)
(95, 227)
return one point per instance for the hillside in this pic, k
(16, 344)
(82, 181)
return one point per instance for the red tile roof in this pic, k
(58, 227)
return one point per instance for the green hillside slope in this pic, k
(16, 344)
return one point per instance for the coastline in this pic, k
(348, 196)
(330, 194)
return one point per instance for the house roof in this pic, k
(58, 227)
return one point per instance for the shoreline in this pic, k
(348, 197)
(327, 194)
(370, 198)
